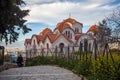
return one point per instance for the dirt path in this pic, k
(38, 73)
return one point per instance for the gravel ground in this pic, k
(38, 73)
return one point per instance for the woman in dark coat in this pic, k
(20, 61)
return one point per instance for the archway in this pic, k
(61, 45)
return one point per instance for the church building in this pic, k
(66, 33)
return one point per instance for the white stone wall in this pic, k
(90, 41)
(33, 51)
(32, 42)
(28, 48)
(61, 39)
(66, 43)
(40, 45)
(56, 31)
(79, 26)
(47, 41)
(90, 33)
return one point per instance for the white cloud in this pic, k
(92, 6)
(31, 2)
(87, 13)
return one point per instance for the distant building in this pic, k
(66, 33)
(114, 45)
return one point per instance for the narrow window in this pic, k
(71, 35)
(47, 45)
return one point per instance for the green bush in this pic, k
(101, 69)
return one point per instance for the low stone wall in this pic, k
(6, 66)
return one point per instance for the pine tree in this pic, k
(12, 20)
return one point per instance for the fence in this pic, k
(94, 63)
(75, 52)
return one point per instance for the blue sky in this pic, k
(47, 13)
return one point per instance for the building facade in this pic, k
(66, 33)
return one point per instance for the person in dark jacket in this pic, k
(20, 61)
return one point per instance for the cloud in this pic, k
(88, 12)
(31, 2)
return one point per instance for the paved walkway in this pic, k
(38, 73)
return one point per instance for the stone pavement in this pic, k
(38, 73)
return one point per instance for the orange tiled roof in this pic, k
(28, 41)
(94, 28)
(38, 37)
(54, 37)
(77, 36)
(63, 25)
(72, 21)
(46, 31)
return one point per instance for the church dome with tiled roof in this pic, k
(61, 26)
(67, 23)
(70, 20)
(94, 28)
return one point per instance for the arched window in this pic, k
(47, 45)
(71, 35)
(77, 30)
(34, 42)
(61, 45)
(68, 34)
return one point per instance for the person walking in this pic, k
(20, 61)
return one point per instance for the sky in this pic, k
(47, 13)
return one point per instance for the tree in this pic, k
(12, 20)
(103, 33)
(114, 22)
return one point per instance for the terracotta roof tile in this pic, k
(54, 37)
(61, 26)
(46, 31)
(77, 36)
(28, 41)
(72, 21)
(65, 24)
(38, 37)
(94, 28)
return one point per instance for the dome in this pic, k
(94, 28)
(70, 20)
(61, 26)
(67, 23)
